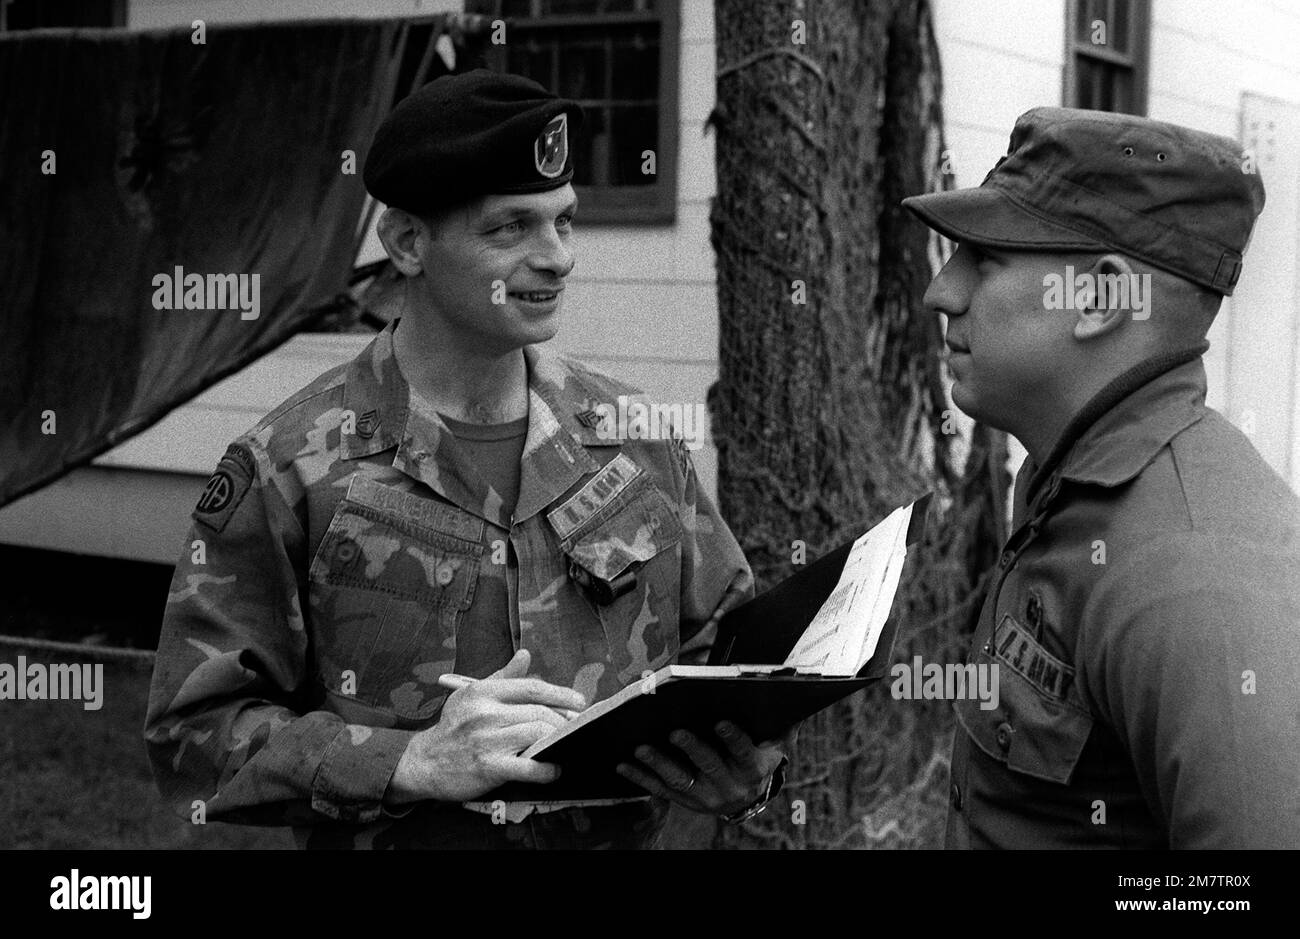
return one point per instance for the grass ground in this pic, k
(80, 779)
(72, 778)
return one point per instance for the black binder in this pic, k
(765, 703)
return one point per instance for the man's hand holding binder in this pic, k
(725, 775)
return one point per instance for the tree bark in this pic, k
(830, 408)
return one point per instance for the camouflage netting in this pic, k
(830, 412)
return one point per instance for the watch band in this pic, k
(757, 807)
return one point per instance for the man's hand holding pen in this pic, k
(486, 723)
(484, 726)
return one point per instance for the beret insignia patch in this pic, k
(551, 148)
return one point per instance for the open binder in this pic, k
(816, 637)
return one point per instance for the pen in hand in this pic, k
(454, 682)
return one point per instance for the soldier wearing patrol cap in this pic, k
(1145, 613)
(444, 504)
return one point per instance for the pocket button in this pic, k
(1004, 735)
(445, 574)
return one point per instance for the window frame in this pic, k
(1137, 59)
(655, 204)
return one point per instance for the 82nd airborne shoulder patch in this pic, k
(226, 487)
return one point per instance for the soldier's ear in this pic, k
(400, 231)
(1116, 295)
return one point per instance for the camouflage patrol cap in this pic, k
(468, 135)
(1073, 180)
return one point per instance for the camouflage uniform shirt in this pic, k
(335, 556)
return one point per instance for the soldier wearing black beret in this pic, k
(428, 558)
(1145, 614)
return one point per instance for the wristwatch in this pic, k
(774, 784)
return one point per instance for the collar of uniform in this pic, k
(555, 451)
(391, 415)
(565, 393)
(428, 451)
(376, 394)
(1128, 422)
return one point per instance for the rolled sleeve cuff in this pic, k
(354, 773)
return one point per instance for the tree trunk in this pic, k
(830, 407)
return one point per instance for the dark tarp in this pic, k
(220, 158)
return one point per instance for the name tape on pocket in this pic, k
(599, 492)
(1017, 647)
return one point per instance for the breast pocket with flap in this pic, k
(390, 583)
(622, 539)
(1037, 727)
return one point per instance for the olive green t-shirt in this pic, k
(496, 450)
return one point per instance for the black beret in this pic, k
(468, 135)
